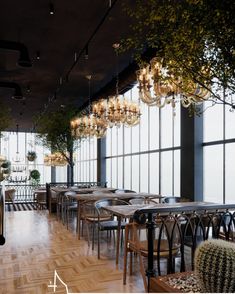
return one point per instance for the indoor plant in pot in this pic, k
(31, 155)
(34, 176)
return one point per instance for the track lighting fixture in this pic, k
(52, 10)
(38, 55)
(86, 52)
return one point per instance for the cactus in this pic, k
(215, 266)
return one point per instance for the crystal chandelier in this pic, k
(157, 86)
(55, 159)
(117, 110)
(88, 125)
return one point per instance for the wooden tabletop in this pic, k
(82, 197)
(129, 210)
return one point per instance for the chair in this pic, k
(141, 201)
(107, 225)
(41, 200)
(69, 206)
(171, 199)
(166, 244)
(123, 191)
(10, 195)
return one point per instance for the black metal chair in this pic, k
(106, 221)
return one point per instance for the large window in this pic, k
(219, 154)
(85, 169)
(146, 157)
(22, 167)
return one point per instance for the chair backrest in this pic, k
(171, 199)
(109, 202)
(136, 201)
(123, 191)
(100, 192)
(10, 195)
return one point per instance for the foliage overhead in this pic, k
(5, 117)
(194, 38)
(54, 132)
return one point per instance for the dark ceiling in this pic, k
(57, 78)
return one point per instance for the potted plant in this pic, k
(31, 155)
(34, 176)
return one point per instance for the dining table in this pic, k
(128, 211)
(80, 198)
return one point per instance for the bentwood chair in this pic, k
(112, 223)
(166, 245)
(10, 195)
(70, 206)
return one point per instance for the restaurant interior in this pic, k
(117, 142)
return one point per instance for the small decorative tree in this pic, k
(55, 134)
(195, 40)
(34, 176)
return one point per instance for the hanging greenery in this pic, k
(31, 155)
(5, 117)
(194, 38)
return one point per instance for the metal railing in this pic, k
(23, 193)
(191, 224)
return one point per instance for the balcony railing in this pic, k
(192, 224)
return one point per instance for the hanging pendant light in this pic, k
(17, 158)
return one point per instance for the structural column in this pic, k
(191, 156)
(101, 162)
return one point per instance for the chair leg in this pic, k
(142, 271)
(125, 255)
(98, 243)
(93, 236)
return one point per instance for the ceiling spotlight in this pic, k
(52, 10)
(38, 55)
(86, 52)
(28, 89)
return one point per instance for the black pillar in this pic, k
(101, 162)
(53, 174)
(191, 156)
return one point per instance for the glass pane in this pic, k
(229, 173)
(212, 122)
(120, 172)
(229, 123)
(166, 126)
(127, 172)
(114, 172)
(108, 173)
(154, 172)
(154, 128)
(176, 191)
(114, 141)
(120, 140)
(108, 142)
(166, 173)
(144, 127)
(213, 173)
(135, 139)
(135, 173)
(144, 173)
(95, 170)
(127, 140)
(176, 118)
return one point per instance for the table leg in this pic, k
(118, 238)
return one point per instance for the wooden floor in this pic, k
(37, 245)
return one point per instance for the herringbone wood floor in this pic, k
(37, 244)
